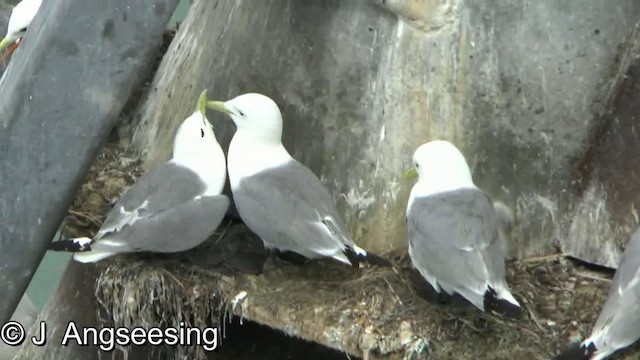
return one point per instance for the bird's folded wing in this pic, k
(162, 188)
(455, 235)
(178, 228)
(624, 293)
(628, 272)
(290, 202)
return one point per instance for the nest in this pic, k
(373, 313)
(140, 294)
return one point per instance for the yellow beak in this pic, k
(202, 102)
(410, 174)
(218, 106)
(4, 44)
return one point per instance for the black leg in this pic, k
(424, 289)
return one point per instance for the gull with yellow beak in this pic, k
(173, 208)
(21, 17)
(277, 197)
(452, 231)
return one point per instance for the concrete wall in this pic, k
(541, 79)
(524, 89)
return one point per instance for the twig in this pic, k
(531, 332)
(85, 216)
(489, 316)
(534, 318)
(467, 323)
(172, 276)
(544, 258)
(592, 277)
(393, 292)
(224, 231)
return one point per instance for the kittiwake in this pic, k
(277, 197)
(21, 17)
(452, 231)
(618, 324)
(173, 208)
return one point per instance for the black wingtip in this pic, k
(356, 259)
(69, 246)
(577, 351)
(500, 306)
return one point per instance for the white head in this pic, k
(194, 139)
(20, 19)
(196, 147)
(255, 115)
(441, 167)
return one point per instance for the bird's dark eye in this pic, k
(241, 113)
(201, 132)
(24, 29)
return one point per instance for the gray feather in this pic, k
(286, 206)
(178, 228)
(619, 319)
(162, 188)
(453, 237)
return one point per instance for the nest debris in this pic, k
(373, 313)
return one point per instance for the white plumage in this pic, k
(21, 17)
(277, 197)
(173, 208)
(452, 229)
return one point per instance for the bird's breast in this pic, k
(248, 158)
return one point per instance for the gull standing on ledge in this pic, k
(278, 198)
(21, 17)
(618, 325)
(452, 231)
(173, 208)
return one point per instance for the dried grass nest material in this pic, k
(373, 312)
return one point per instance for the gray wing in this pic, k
(178, 228)
(454, 237)
(288, 207)
(162, 188)
(620, 315)
(627, 276)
